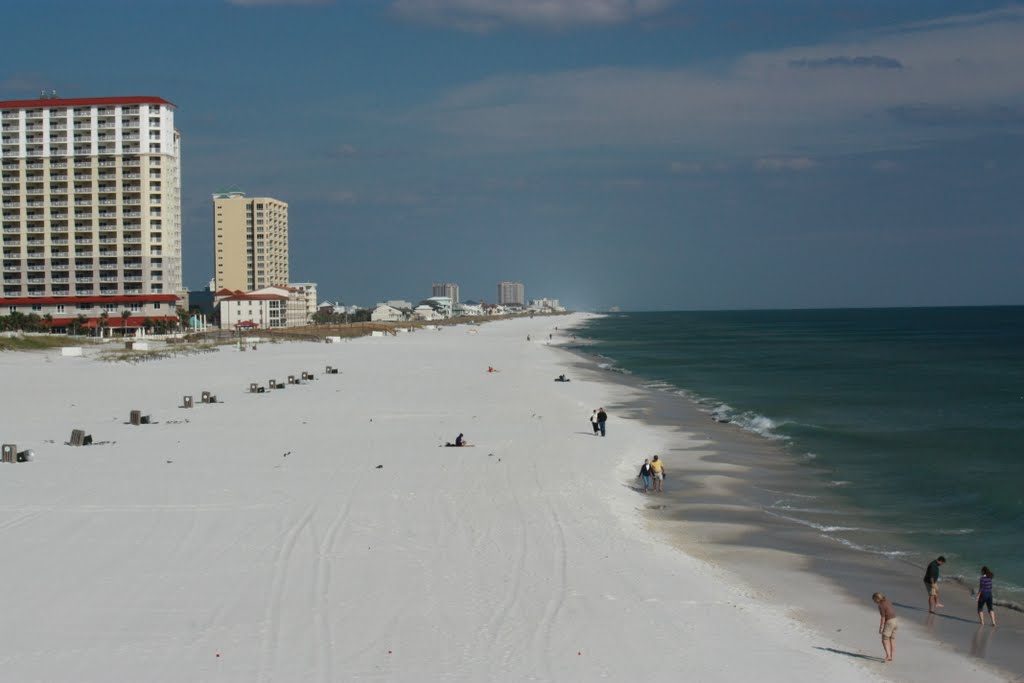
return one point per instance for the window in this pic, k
(37, 307)
(60, 308)
(156, 305)
(135, 307)
(14, 309)
(110, 307)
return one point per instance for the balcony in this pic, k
(83, 254)
(58, 178)
(107, 162)
(83, 163)
(58, 164)
(58, 202)
(130, 176)
(60, 280)
(108, 278)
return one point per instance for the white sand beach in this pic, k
(321, 532)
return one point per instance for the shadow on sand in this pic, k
(850, 654)
(932, 615)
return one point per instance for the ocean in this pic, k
(911, 419)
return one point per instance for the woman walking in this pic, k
(645, 474)
(888, 624)
(985, 595)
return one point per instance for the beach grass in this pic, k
(37, 343)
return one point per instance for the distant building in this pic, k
(442, 305)
(396, 303)
(511, 294)
(386, 313)
(447, 289)
(250, 241)
(308, 290)
(266, 308)
(546, 305)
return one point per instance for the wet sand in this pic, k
(717, 506)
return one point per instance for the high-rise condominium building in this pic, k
(448, 289)
(251, 241)
(511, 294)
(91, 207)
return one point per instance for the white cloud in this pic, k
(486, 15)
(760, 106)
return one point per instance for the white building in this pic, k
(425, 312)
(461, 309)
(270, 307)
(91, 202)
(244, 309)
(546, 306)
(386, 313)
(442, 305)
(308, 290)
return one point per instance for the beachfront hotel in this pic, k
(445, 289)
(511, 294)
(91, 208)
(250, 241)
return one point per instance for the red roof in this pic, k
(60, 102)
(255, 297)
(112, 321)
(127, 299)
(246, 323)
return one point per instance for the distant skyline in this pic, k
(646, 154)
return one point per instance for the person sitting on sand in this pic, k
(460, 441)
(887, 625)
(985, 595)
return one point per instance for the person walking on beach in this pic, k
(658, 470)
(887, 625)
(985, 595)
(602, 417)
(646, 474)
(931, 583)
(593, 421)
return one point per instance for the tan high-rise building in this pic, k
(251, 241)
(91, 197)
(511, 294)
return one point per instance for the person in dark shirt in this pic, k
(602, 417)
(646, 474)
(931, 583)
(985, 595)
(460, 441)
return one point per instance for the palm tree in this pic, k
(104, 316)
(49, 322)
(125, 314)
(79, 323)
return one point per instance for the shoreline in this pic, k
(320, 533)
(718, 511)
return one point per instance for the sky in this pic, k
(646, 154)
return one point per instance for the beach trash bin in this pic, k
(10, 453)
(205, 397)
(272, 384)
(135, 417)
(252, 387)
(291, 379)
(80, 438)
(186, 402)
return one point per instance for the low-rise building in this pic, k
(266, 308)
(386, 313)
(67, 311)
(308, 290)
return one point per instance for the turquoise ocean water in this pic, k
(913, 419)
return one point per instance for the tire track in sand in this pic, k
(272, 617)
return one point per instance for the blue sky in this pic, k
(649, 154)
